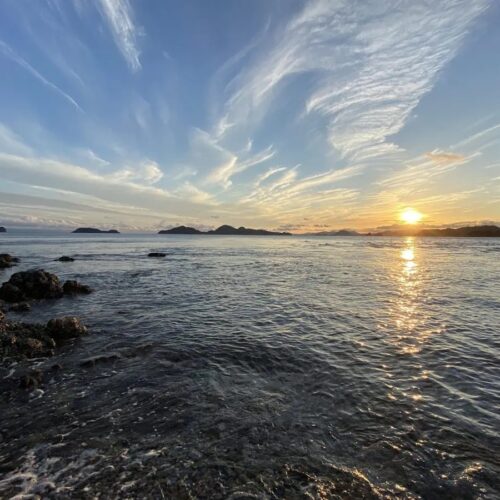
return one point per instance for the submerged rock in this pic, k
(20, 307)
(7, 260)
(25, 285)
(73, 287)
(157, 254)
(65, 258)
(103, 358)
(31, 380)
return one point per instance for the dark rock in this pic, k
(30, 340)
(157, 254)
(37, 284)
(67, 327)
(6, 260)
(31, 380)
(65, 258)
(72, 287)
(2, 229)
(20, 307)
(55, 368)
(11, 293)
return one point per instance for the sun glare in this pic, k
(410, 216)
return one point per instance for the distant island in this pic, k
(2, 229)
(224, 230)
(94, 230)
(460, 232)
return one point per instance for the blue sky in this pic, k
(272, 113)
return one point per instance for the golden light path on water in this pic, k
(410, 315)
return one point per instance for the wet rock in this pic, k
(7, 260)
(67, 327)
(20, 307)
(37, 284)
(56, 368)
(73, 287)
(22, 340)
(65, 258)
(157, 254)
(31, 380)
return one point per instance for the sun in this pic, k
(410, 216)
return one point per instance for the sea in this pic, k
(264, 367)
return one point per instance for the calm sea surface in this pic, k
(262, 367)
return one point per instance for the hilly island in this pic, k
(224, 230)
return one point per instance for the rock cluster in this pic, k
(20, 340)
(38, 284)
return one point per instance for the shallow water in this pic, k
(263, 367)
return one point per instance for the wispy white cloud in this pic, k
(135, 193)
(119, 16)
(373, 61)
(219, 163)
(419, 171)
(268, 173)
(7, 51)
(288, 192)
(445, 157)
(189, 191)
(10, 142)
(489, 134)
(147, 172)
(223, 173)
(89, 154)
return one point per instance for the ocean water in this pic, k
(262, 367)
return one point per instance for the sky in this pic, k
(281, 114)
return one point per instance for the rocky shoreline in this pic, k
(21, 341)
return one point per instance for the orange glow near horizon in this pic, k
(411, 216)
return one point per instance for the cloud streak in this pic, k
(8, 52)
(118, 14)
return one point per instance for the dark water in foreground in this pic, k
(260, 367)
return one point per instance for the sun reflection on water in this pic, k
(409, 316)
(408, 310)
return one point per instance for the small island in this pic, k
(2, 229)
(224, 230)
(93, 230)
(180, 230)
